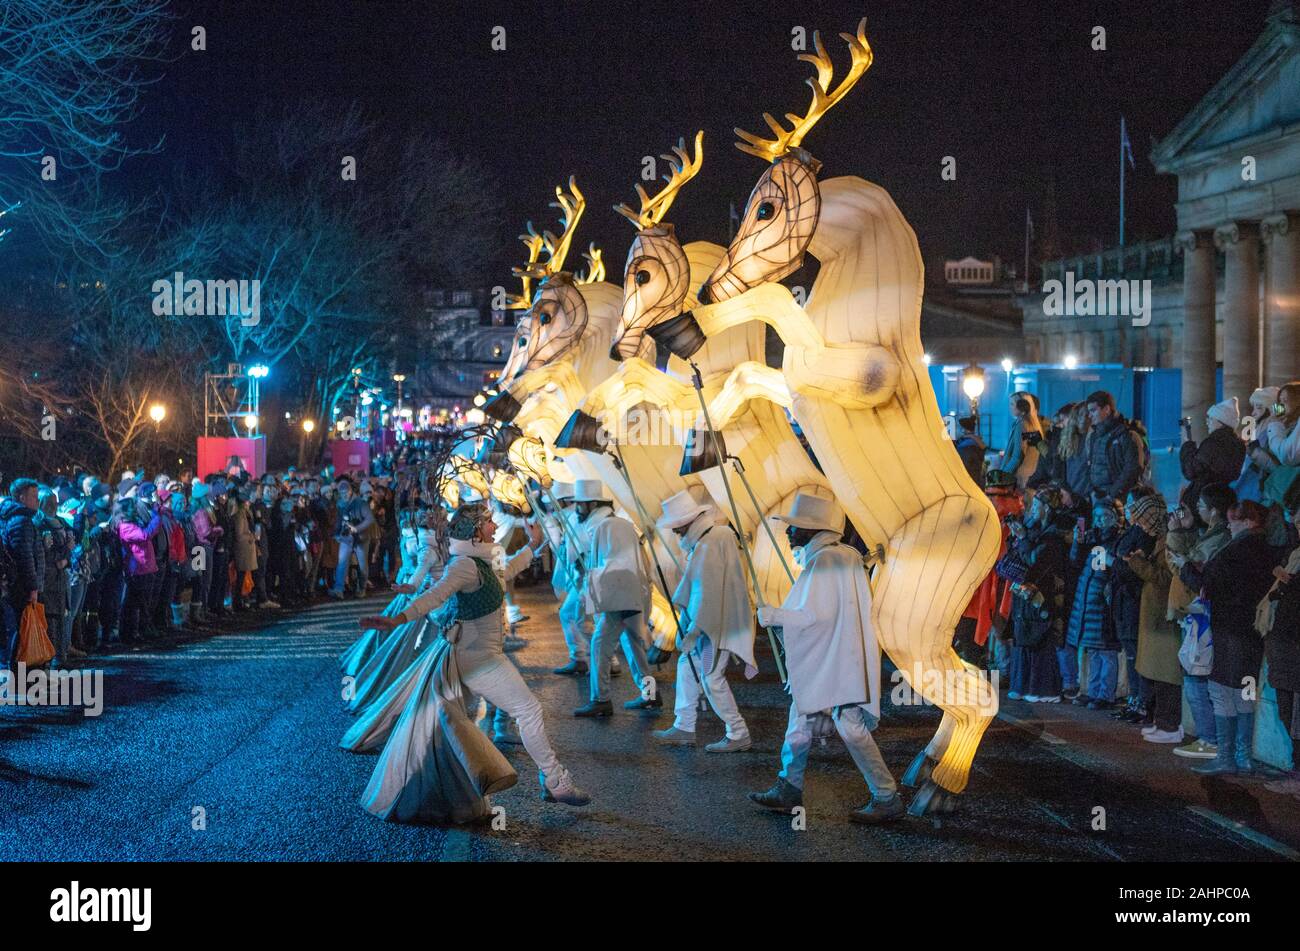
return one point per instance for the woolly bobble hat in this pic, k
(466, 521)
(1225, 412)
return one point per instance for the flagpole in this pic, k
(1123, 136)
(1028, 226)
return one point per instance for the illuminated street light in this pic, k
(157, 412)
(250, 422)
(308, 425)
(972, 384)
(925, 359)
(259, 371)
(1070, 362)
(1007, 365)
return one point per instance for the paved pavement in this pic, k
(240, 731)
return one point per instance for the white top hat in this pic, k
(562, 490)
(589, 490)
(813, 511)
(685, 507)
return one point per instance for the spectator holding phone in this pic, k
(1219, 455)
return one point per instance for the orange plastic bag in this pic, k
(247, 587)
(34, 647)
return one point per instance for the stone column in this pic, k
(1239, 242)
(1198, 358)
(1281, 235)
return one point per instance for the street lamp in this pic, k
(1070, 362)
(399, 379)
(157, 412)
(1007, 365)
(308, 425)
(972, 384)
(250, 422)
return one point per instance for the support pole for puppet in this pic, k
(778, 648)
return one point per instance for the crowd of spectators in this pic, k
(116, 566)
(1110, 596)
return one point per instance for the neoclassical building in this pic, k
(1237, 158)
(1226, 287)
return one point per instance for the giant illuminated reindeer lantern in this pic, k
(745, 396)
(861, 394)
(561, 352)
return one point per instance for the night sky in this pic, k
(1012, 90)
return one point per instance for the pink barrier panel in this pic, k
(350, 455)
(215, 451)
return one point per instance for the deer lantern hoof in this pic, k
(503, 407)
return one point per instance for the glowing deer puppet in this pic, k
(745, 396)
(861, 394)
(561, 352)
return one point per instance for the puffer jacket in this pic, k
(1234, 582)
(1091, 623)
(1217, 459)
(137, 541)
(18, 533)
(1116, 457)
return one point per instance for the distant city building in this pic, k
(1235, 261)
(461, 347)
(972, 271)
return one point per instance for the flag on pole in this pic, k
(1125, 144)
(1029, 222)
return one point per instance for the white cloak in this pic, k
(616, 577)
(713, 594)
(831, 651)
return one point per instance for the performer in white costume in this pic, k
(717, 620)
(566, 582)
(400, 649)
(509, 537)
(832, 657)
(423, 772)
(616, 589)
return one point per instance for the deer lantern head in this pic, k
(784, 206)
(657, 277)
(556, 315)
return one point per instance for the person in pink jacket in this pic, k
(141, 566)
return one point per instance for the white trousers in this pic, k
(854, 725)
(576, 626)
(716, 690)
(611, 630)
(500, 684)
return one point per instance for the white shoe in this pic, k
(673, 737)
(1055, 698)
(1012, 695)
(1148, 730)
(728, 745)
(1164, 736)
(561, 788)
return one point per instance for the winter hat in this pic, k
(199, 491)
(1225, 412)
(465, 523)
(1264, 397)
(1148, 514)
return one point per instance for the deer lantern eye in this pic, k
(523, 341)
(643, 276)
(766, 211)
(544, 319)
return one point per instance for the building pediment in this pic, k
(1257, 98)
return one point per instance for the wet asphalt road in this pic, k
(242, 730)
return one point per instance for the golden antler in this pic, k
(683, 170)
(595, 266)
(533, 242)
(571, 208)
(823, 97)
